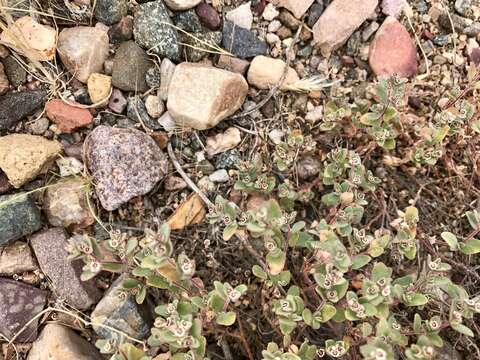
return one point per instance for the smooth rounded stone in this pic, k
(276, 136)
(188, 21)
(152, 30)
(16, 258)
(99, 87)
(393, 51)
(110, 11)
(266, 72)
(119, 310)
(67, 117)
(125, 163)
(290, 21)
(32, 153)
(117, 102)
(174, 183)
(50, 248)
(441, 40)
(194, 54)
(57, 342)
(130, 65)
(137, 112)
(339, 21)
(223, 141)
(297, 7)
(16, 106)
(4, 84)
(233, 64)
(121, 31)
(241, 16)
(179, 5)
(167, 69)
(83, 50)
(155, 106)
(66, 204)
(242, 42)
(270, 12)
(39, 40)
(16, 74)
(201, 96)
(308, 167)
(208, 16)
(219, 176)
(38, 126)
(19, 305)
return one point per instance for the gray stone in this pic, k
(152, 77)
(242, 42)
(195, 55)
(308, 167)
(19, 304)
(460, 24)
(441, 40)
(137, 112)
(188, 21)
(151, 30)
(110, 11)
(219, 176)
(16, 258)
(50, 247)
(16, 106)
(314, 13)
(464, 7)
(227, 160)
(19, 216)
(125, 163)
(121, 31)
(167, 69)
(38, 126)
(16, 74)
(119, 310)
(129, 67)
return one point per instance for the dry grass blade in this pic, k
(309, 84)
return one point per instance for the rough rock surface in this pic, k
(121, 31)
(19, 303)
(32, 153)
(16, 258)
(83, 50)
(4, 83)
(16, 74)
(137, 111)
(393, 51)
(130, 66)
(110, 11)
(266, 72)
(233, 64)
(339, 21)
(297, 7)
(223, 141)
(201, 96)
(242, 42)
(99, 87)
(15, 106)
(125, 163)
(57, 342)
(241, 16)
(50, 247)
(67, 117)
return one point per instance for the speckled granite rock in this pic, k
(188, 21)
(20, 303)
(15, 106)
(242, 42)
(137, 112)
(195, 55)
(50, 247)
(15, 72)
(110, 11)
(151, 32)
(16, 258)
(130, 66)
(19, 216)
(125, 163)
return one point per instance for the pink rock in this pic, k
(117, 102)
(393, 7)
(208, 16)
(67, 117)
(339, 21)
(393, 50)
(297, 7)
(475, 56)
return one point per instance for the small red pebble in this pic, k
(67, 117)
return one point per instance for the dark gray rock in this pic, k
(314, 13)
(4, 183)
(130, 65)
(188, 21)
(125, 163)
(50, 248)
(152, 30)
(121, 31)
(195, 55)
(16, 74)
(15, 106)
(227, 160)
(119, 310)
(20, 303)
(110, 11)
(19, 216)
(441, 40)
(460, 24)
(242, 42)
(137, 112)
(153, 77)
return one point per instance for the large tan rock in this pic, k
(297, 7)
(339, 21)
(83, 50)
(57, 342)
(23, 156)
(266, 72)
(201, 96)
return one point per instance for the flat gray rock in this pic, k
(130, 66)
(16, 106)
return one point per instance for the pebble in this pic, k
(16, 106)
(110, 11)
(208, 16)
(117, 102)
(125, 162)
(50, 248)
(194, 52)
(242, 42)
(464, 7)
(151, 30)
(219, 176)
(152, 77)
(137, 112)
(130, 66)
(276, 136)
(121, 31)
(331, 31)
(241, 16)
(167, 122)
(83, 50)
(393, 51)
(314, 14)
(167, 69)
(441, 40)
(66, 204)
(421, 6)
(270, 12)
(4, 184)
(122, 313)
(69, 166)
(274, 26)
(38, 126)
(272, 38)
(4, 84)
(369, 30)
(155, 106)
(475, 56)
(314, 115)
(289, 20)
(201, 96)
(206, 185)
(227, 160)
(297, 7)
(16, 258)
(223, 141)
(16, 74)
(40, 40)
(188, 21)
(32, 153)
(308, 167)
(62, 343)
(99, 87)
(265, 73)
(67, 117)
(20, 304)
(174, 183)
(393, 7)
(233, 64)
(179, 5)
